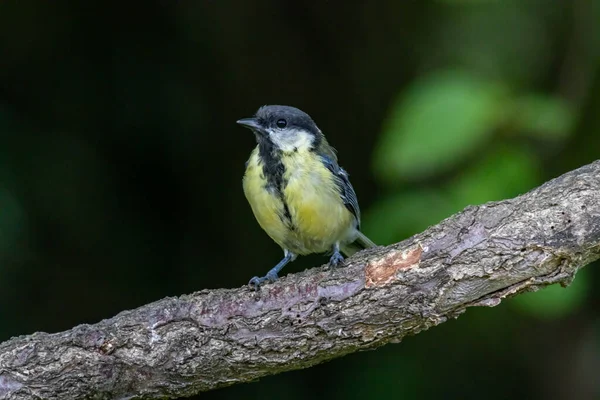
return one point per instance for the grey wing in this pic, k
(347, 192)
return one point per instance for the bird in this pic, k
(298, 193)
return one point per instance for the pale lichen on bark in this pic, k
(180, 346)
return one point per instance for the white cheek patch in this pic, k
(291, 139)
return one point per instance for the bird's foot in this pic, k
(256, 282)
(336, 259)
(272, 276)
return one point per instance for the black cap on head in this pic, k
(277, 116)
(280, 117)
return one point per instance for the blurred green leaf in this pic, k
(503, 173)
(555, 301)
(438, 121)
(398, 216)
(542, 116)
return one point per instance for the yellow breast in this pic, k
(319, 217)
(266, 205)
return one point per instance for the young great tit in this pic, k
(299, 194)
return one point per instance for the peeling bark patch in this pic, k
(8, 385)
(491, 302)
(470, 238)
(340, 292)
(383, 271)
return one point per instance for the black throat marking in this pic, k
(273, 170)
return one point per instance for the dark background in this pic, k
(121, 163)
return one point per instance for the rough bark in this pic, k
(180, 346)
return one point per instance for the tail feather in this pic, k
(361, 242)
(364, 241)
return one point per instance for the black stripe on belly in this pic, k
(287, 216)
(273, 170)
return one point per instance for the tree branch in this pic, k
(178, 347)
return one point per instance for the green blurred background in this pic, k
(121, 164)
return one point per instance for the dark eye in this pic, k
(281, 123)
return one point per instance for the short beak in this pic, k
(251, 123)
